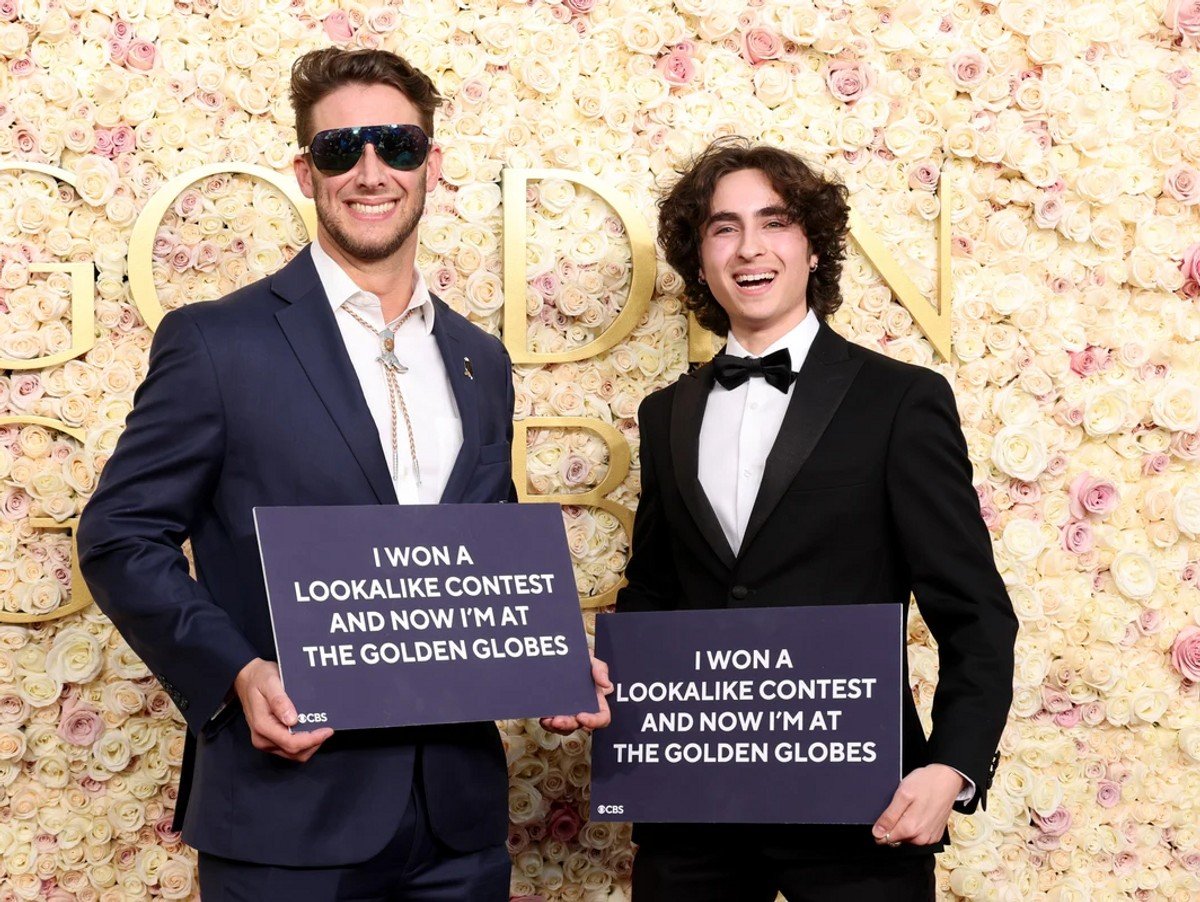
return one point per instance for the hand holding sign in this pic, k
(270, 713)
(920, 807)
(564, 724)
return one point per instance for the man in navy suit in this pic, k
(339, 380)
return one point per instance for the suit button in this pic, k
(738, 593)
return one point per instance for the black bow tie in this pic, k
(775, 368)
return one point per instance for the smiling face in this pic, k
(371, 212)
(755, 259)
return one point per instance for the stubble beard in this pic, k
(372, 252)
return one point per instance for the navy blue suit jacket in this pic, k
(252, 400)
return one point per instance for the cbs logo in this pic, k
(319, 717)
(610, 809)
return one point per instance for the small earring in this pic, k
(700, 276)
(812, 267)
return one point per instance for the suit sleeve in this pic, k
(653, 582)
(162, 472)
(510, 404)
(949, 553)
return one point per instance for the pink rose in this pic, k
(1180, 77)
(1155, 464)
(1048, 210)
(103, 143)
(574, 470)
(21, 66)
(1191, 263)
(676, 68)
(1089, 361)
(759, 44)
(121, 31)
(208, 254)
(124, 139)
(1149, 622)
(80, 725)
(1183, 184)
(1185, 653)
(8, 10)
(1092, 496)
(924, 176)
(188, 202)
(582, 7)
(1056, 823)
(1069, 718)
(848, 80)
(14, 505)
(1077, 537)
(1186, 445)
(182, 258)
(1109, 794)
(27, 390)
(116, 51)
(141, 55)
(564, 822)
(1183, 18)
(968, 68)
(337, 26)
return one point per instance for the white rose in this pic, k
(1134, 575)
(1186, 510)
(1107, 411)
(1177, 407)
(1020, 452)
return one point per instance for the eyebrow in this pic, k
(764, 213)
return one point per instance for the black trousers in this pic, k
(413, 867)
(669, 874)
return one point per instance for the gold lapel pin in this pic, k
(467, 368)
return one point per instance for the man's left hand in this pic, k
(564, 723)
(920, 807)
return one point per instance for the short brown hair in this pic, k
(321, 72)
(818, 205)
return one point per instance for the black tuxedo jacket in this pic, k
(252, 400)
(866, 498)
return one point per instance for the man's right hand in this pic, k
(269, 712)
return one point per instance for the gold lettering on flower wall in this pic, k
(934, 321)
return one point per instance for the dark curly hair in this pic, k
(321, 72)
(816, 204)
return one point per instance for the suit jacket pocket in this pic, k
(493, 452)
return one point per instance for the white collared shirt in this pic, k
(739, 429)
(437, 427)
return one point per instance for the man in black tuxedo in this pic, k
(800, 469)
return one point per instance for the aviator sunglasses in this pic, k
(338, 150)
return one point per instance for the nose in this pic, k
(370, 169)
(751, 245)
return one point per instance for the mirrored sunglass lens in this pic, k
(337, 150)
(400, 146)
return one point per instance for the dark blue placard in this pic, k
(717, 747)
(408, 628)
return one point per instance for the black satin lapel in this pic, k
(820, 387)
(462, 383)
(687, 415)
(313, 333)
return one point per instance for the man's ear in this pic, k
(433, 168)
(304, 174)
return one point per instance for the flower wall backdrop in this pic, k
(1070, 133)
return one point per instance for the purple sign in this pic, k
(750, 715)
(391, 615)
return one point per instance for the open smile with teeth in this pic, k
(372, 209)
(754, 280)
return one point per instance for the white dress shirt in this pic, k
(437, 427)
(738, 431)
